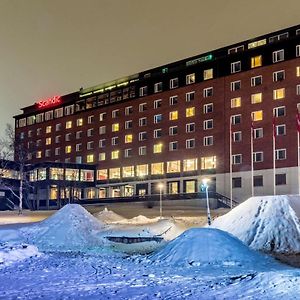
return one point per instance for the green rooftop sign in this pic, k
(199, 60)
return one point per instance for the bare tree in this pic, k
(13, 147)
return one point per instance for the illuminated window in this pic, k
(56, 173)
(256, 98)
(190, 186)
(190, 164)
(257, 44)
(190, 78)
(173, 166)
(256, 61)
(59, 112)
(173, 115)
(78, 147)
(48, 129)
(141, 170)
(208, 162)
(115, 127)
(102, 156)
(48, 141)
(68, 149)
(208, 74)
(298, 71)
(128, 171)
(190, 112)
(102, 174)
(115, 154)
(279, 94)
(173, 187)
(79, 122)
(236, 102)
(114, 173)
(48, 115)
(257, 115)
(68, 124)
(90, 158)
(128, 138)
(38, 154)
(157, 168)
(157, 148)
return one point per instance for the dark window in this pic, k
(237, 182)
(280, 179)
(258, 180)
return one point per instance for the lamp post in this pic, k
(205, 185)
(160, 186)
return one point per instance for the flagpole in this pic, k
(230, 161)
(298, 144)
(274, 157)
(252, 177)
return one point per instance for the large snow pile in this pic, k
(11, 253)
(139, 220)
(108, 216)
(72, 228)
(207, 246)
(266, 223)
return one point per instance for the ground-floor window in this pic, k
(173, 187)
(190, 186)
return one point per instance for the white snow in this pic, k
(108, 216)
(11, 253)
(207, 246)
(72, 228)
(139, 220)
(266, 223)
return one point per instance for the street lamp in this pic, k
(205, 185)
(160, 186)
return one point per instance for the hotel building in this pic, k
(178, 123)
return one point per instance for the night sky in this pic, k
(53, 47)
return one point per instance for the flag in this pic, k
(252, 127)
(298, 121)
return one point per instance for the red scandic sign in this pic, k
(49, 102)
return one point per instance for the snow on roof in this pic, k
(72, 228)
(108, 216)
(267, 223)
(207, 246)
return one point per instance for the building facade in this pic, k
(181, 122)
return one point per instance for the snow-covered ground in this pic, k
(202, 263)
(267, 223)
